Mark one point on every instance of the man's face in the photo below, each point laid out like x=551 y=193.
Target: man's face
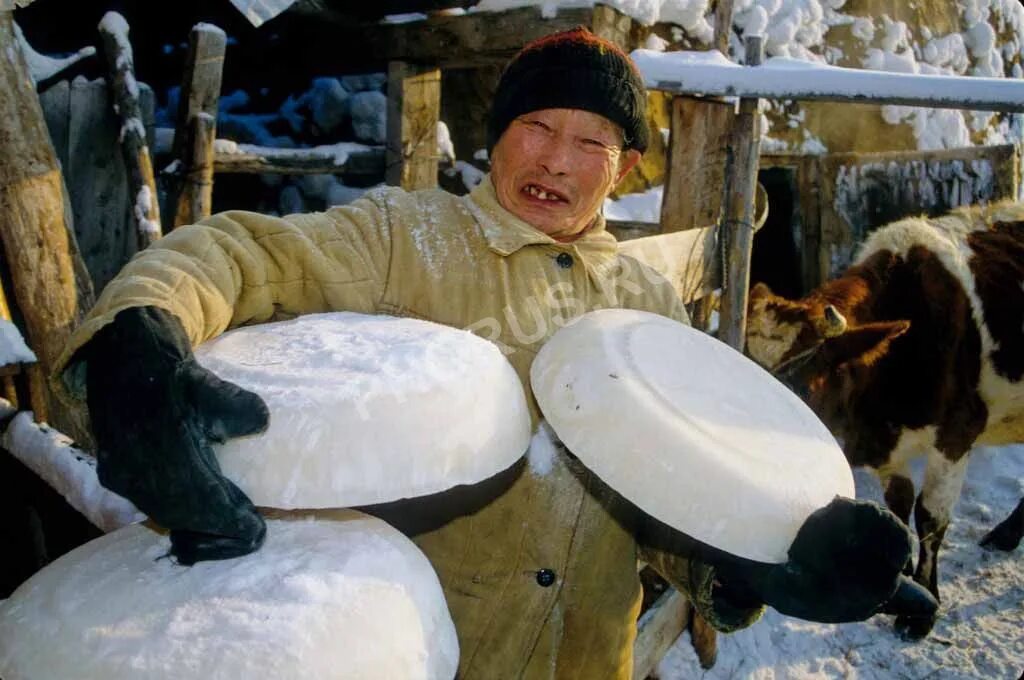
x=553 y=168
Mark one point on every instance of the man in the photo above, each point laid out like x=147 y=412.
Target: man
x=539 y=570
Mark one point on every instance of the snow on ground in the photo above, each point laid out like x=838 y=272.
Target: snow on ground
x=980 y=632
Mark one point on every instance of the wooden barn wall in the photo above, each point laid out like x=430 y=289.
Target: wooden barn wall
x=860 y=192
x=842 y=197
x=85 y=134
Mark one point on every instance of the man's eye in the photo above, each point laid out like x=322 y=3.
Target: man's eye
x=594 y=142
x=537 y=124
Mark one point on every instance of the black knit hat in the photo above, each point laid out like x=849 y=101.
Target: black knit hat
x=572 y=69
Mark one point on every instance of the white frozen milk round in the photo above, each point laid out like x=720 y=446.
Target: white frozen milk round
x=689 y=430
x=368 y=409
x=331 y=595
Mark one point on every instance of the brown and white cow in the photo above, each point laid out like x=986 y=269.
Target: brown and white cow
x=918 y=349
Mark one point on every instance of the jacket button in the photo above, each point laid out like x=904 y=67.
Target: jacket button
x=545 y=578
x=564 y=260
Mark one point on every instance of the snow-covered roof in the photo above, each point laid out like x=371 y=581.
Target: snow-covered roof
x=710 y=73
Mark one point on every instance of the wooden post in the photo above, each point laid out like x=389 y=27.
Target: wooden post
x=197 y=197
x=414 y=108
x=200 y=91
x=124 y=91
x=696 y=163
x=723 y=25
x=737 y=226
x=719 y=121
x=34 y=225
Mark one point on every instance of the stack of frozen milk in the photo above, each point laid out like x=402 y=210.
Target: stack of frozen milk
x=363 y=410
x=372 y=409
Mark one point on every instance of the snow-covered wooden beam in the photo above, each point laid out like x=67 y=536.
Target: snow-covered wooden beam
x=711 y=74
x=657 y=630
x=125 y=90
x=69 y=470
x=346 y=159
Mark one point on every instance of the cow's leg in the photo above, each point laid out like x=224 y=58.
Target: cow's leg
x=899 y=497
x=1007 y=535
x=943 y=480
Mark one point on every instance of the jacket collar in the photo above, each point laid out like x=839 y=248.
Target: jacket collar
x=505 y=233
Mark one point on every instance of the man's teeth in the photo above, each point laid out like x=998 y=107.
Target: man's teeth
x=540 y=193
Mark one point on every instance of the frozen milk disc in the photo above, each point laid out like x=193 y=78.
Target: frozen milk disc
x=368 y=409
x=689 y=430
x=333 y=595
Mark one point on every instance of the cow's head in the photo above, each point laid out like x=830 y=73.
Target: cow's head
x=809 y=341
x=780 y=331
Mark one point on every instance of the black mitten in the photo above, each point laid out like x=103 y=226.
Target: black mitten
x=155 y=412
x=845 y=564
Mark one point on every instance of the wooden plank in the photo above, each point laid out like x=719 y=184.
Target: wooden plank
x=200 y=92
x=56 y=103
x=739 y=211
x=33 y=225
x=97 y=182
x=145 y=213
x=808 y=207
x=312 y=161
x=657 y=630
x=414 y=107
x=332 y=43
x=688 y=259
x=695 y=175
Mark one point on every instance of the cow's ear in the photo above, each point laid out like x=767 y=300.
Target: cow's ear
x=760 y=290
x=865 y=344
x=761 y=298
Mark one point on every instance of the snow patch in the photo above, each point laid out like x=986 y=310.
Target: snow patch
x=543 y=450
x=977 y=636
x=143 y=203
x=13 y=349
